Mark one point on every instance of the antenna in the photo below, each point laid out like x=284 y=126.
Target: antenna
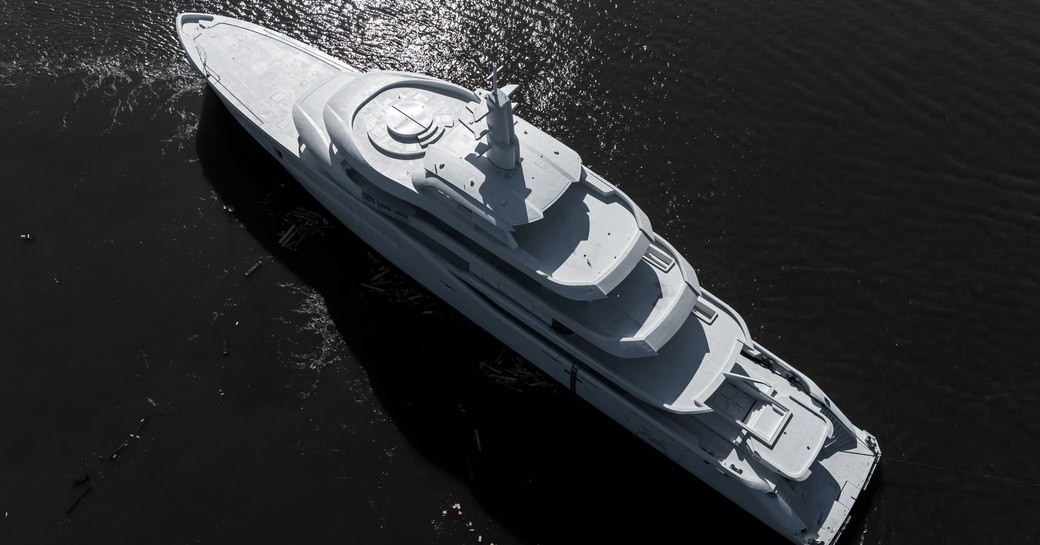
x=505 y=150
x=494 y=77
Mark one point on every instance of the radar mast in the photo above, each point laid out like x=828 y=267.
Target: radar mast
x=505 y=149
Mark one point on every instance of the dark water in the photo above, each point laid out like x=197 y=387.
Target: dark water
x=860 y=179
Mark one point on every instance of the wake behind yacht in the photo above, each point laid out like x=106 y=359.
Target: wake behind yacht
x=504 y=223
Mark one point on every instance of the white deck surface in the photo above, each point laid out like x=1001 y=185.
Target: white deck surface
x=687 y=369
x=582 y=236
x=242 y=58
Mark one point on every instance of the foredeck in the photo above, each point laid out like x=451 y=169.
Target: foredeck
x=260 y=71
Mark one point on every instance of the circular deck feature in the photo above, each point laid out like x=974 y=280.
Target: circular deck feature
x=403 y=126
x=407 y=119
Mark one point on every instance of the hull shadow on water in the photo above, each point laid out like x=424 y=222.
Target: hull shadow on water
x=549 y=468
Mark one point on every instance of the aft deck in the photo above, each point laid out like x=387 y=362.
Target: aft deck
x=689 y=368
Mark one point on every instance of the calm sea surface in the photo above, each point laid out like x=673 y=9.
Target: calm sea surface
x=861 y=180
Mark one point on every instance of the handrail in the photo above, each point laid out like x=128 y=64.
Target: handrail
x=751 y=345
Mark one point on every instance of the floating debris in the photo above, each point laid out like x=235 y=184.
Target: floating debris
x=287 y=235
x=225 y=348
x=303 y=224
x=253 y=268
x=75 y=503
x=379 y=275
x=470 y=525
x=28 y=236
x=116 y=453
x=398 y=288
x=135 y=435
x=511 y=371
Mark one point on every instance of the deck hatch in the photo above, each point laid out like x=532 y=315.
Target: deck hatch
x=658 y=258
x=704 y=312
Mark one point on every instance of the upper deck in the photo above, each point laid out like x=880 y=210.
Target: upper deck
x=433 y=145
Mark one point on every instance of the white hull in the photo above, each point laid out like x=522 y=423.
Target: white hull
x=674 y=435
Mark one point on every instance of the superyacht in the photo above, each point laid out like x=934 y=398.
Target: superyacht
x=504 y=223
